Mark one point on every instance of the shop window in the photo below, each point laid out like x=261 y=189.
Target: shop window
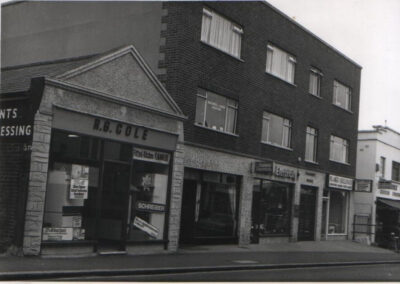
x=337 y=212
x=221 y=33
x=276 y=130
x=148 y=195
x=315 y=82
x=311 y=144
x=339 y=150
x=72 y=184
x=275 y=208
x=280 y=63
x=395 y=171
x=216 y=112
x=341 y=95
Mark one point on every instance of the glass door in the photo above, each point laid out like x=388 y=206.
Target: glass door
x=113 y=206
x=308 y=197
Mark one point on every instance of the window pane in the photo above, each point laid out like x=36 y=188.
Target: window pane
x=265 y=130
x=311 y=145
x=337 y=212
x=341 y=96
x=230 y=120
x=280 y=63
x=216 y=108
x=314 y=84
x=276 y=130
x=338 y=149
x=221 y=33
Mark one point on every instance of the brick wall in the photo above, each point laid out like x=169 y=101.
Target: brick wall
x=191 y=64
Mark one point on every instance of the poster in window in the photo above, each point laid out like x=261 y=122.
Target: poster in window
x=79 y=182
x=145 y=227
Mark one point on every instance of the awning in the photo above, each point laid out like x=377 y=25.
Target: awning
x=394 y=204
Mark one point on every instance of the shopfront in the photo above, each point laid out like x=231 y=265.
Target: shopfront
x=103 y=172
x=336 y=207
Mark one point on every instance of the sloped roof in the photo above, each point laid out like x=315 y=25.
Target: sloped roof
x=18 y=78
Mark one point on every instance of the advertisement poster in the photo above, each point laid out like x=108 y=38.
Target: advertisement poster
x=145 y=227
x=79 y=182
x=57 y=234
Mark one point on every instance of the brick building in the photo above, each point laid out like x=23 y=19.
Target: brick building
x=270 y=137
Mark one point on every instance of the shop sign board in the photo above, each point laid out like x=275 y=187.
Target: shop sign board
x=57 y=234
x=16 y=120
x=284 y=172
x=150 y=207
x=151 y=156
x=386 y=185
x=363 y=185
x=271 y=168
x=79 y=182
x=145 y=227
x=264 y=167
x=340 y=182
x=112 y=129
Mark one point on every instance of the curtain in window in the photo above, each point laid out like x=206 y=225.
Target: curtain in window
x=206 y=26
x=314 y=84
x=339 y=149
x=309 y=148
x=280 y=63
x=230 y=120
x=341 y=95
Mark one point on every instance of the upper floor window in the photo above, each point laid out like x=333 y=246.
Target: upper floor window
x=395 y=171
x=339 y=150
x=276 y=130
x=382 y=166
x=341 y=95
x=311 y=144
x=280 y=63
x=216 y=112
x=315 y=82
x=221 y=33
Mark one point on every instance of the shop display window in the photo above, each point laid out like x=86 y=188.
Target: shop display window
x=337 y=212
x=148 y=195
x=72 y=184
x=275 y=208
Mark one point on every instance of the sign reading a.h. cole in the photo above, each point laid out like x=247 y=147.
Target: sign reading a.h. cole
x=340 y=182
x=112 y=129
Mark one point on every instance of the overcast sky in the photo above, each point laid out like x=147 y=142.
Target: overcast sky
x=367 y=31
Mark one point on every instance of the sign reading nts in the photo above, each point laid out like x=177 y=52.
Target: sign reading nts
x=14 y=129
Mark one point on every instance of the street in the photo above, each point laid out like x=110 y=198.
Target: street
x=381 y=272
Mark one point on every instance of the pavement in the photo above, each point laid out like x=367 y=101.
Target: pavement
x=198 y=259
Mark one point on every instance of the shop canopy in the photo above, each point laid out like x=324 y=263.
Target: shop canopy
x=393 y=204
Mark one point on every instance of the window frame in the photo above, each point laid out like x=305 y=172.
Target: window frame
x=395 y=166
x=337 y=83
x=288 y=125
x=318 y=74
x=315 y=144
x=202 y=93
x=235 y=28
x=345 y=143
x=291 y=59
x=346 y=214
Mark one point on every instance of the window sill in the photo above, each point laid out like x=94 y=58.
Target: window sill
x=283 y=80
x=338 y=234
x=277 y=146
x=342 y=108
x=216 y=130
x=342 y=163
x=311 y=162
x=223 y=51
x=315 y=96
x=273 y=235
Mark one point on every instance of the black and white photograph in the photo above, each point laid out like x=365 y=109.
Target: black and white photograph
x=200 y=141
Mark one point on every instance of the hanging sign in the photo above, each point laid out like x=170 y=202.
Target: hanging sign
x=340 y=182
x=151 y=156
x=57 y=234
x=150 y=207
x=363 y=185
x=79 y=182
x=145 y=227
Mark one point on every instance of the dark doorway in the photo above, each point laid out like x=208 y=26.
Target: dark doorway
x=113 y=206
x=255 y=216
x=307 y=213
x=188 y=211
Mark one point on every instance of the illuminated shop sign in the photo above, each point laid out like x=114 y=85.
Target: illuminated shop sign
x=340 y=182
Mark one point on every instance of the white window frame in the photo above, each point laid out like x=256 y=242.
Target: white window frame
x=313 y=134
x=345 y=144
x=287 y=123
x=230 y=104
x=336 y=86
x=290 y=64
x=318 y=75
x=208 y=23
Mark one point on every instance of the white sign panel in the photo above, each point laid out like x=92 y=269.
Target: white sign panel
x=145 y=227
x=57 y=234
x=340 y=182
x=79 y=182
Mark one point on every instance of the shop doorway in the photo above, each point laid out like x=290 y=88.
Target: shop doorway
x=113 y=207
x=307 y=208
